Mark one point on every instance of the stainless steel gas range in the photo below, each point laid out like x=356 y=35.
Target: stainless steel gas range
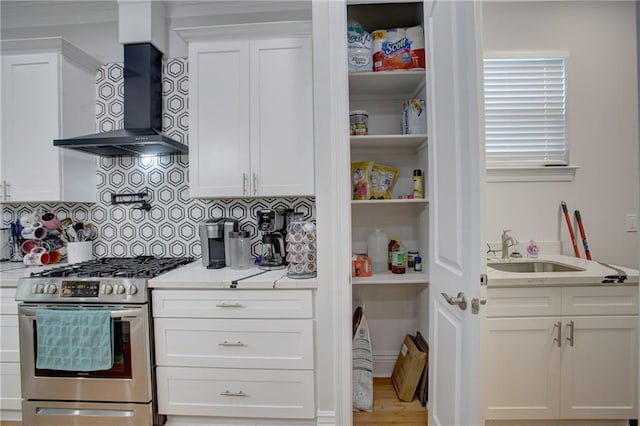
x=71 y=316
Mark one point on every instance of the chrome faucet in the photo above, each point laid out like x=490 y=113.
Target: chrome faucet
x=507 y=241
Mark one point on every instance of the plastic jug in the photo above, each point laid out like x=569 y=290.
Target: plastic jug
x=377 y=249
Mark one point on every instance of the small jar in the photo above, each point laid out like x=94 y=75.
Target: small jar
x=411 y=256
x=417 y=264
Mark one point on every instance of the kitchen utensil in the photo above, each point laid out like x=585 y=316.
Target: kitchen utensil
x=571 y=234
x=79 y=251
x=587 y=252
x=5 y=243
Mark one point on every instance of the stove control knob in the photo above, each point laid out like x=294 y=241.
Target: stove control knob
x=51 y=289
x=37 y=289
x=133 y=289
x=107 y=289
x=119 y=289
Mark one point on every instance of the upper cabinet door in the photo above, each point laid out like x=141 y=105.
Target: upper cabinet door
x=48 y=92
x=219 y=122
x=30 y=113
x=456 y=176
x=250 y=110
x=282 y=117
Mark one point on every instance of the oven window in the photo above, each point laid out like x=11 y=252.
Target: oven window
x=121 y=356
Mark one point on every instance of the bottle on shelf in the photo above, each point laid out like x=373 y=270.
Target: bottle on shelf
x=377 y=249
x=417 y=264
x=418 y=184
x=392 y=242
x=398 y=258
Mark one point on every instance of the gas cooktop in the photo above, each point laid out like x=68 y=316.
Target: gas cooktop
x=117 y=267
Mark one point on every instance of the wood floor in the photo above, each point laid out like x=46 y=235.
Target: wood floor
x=389 y=410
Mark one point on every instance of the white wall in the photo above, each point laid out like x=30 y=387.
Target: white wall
x=603 y=124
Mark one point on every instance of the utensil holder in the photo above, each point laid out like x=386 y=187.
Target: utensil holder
x=79 y=251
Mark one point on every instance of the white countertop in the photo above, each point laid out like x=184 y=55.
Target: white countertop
x=592 y=274
x=10 y=272
x=196 y=276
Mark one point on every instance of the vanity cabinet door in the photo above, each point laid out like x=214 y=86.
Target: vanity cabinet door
x=600 y=368
x=523 y=368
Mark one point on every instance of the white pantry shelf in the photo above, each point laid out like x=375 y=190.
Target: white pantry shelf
x=410 y=277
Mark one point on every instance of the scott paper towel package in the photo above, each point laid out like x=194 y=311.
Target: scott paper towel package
x=398 y=49
x=358 y=48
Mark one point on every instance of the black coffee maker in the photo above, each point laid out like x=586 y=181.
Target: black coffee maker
x=214 y=241
x=273 y=224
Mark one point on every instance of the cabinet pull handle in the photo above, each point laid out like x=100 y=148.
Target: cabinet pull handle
x=245 y=178
x=5 y=190
x=558 y=337
x=229 y=393
x=570 y=338
x=255 y=184
x=227 y=343
x=229 y=305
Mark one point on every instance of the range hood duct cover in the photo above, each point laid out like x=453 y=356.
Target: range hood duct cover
x=142 y=133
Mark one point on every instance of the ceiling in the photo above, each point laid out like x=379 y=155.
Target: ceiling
x=27 y=13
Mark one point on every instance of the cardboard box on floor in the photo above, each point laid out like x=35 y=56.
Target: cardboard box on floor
x=408 y=368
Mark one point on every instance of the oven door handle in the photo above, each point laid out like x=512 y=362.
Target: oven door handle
x=124 y=313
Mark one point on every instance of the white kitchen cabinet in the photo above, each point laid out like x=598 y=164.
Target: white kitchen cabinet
x=235 y=353
x=562 y=353
x=250 y=112
x=48 y=92
x=10 y=396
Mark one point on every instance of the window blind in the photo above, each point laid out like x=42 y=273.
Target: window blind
x=525 y=111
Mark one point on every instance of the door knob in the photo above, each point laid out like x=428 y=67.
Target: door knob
x=459 y=300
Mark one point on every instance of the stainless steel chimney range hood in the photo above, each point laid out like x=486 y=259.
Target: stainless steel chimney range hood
x=142 y=133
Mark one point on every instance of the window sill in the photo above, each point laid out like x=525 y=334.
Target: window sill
x=531 y=174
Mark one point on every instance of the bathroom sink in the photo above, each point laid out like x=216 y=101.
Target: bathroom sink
x=531 y=266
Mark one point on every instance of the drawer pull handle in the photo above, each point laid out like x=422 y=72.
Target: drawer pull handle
x=229 y=305
x=558 y=337
x=227 y=343
x=229 y=393
x=570 y=338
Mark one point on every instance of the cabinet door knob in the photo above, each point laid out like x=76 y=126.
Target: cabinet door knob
x=255 y=184
x=227 y=343
x=570 y=338
x=229 y=305
x=558 y=338
x=229 y=393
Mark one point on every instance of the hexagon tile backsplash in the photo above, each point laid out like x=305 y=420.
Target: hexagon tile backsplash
x=170 y=228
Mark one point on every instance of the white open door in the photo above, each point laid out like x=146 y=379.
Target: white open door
x=456 y=192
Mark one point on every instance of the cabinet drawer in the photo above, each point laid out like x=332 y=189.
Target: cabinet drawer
x=232 y=304
x=235 y=393
x=603 y=300
x=10 y=396
x=234 y=343
x=8 y=305
x=9 y=340
x=523 y=302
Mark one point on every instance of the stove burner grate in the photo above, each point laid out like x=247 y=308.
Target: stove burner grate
x=118 y=267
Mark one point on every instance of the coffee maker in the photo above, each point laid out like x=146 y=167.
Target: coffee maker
x=214 y=241
x=272 y=224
